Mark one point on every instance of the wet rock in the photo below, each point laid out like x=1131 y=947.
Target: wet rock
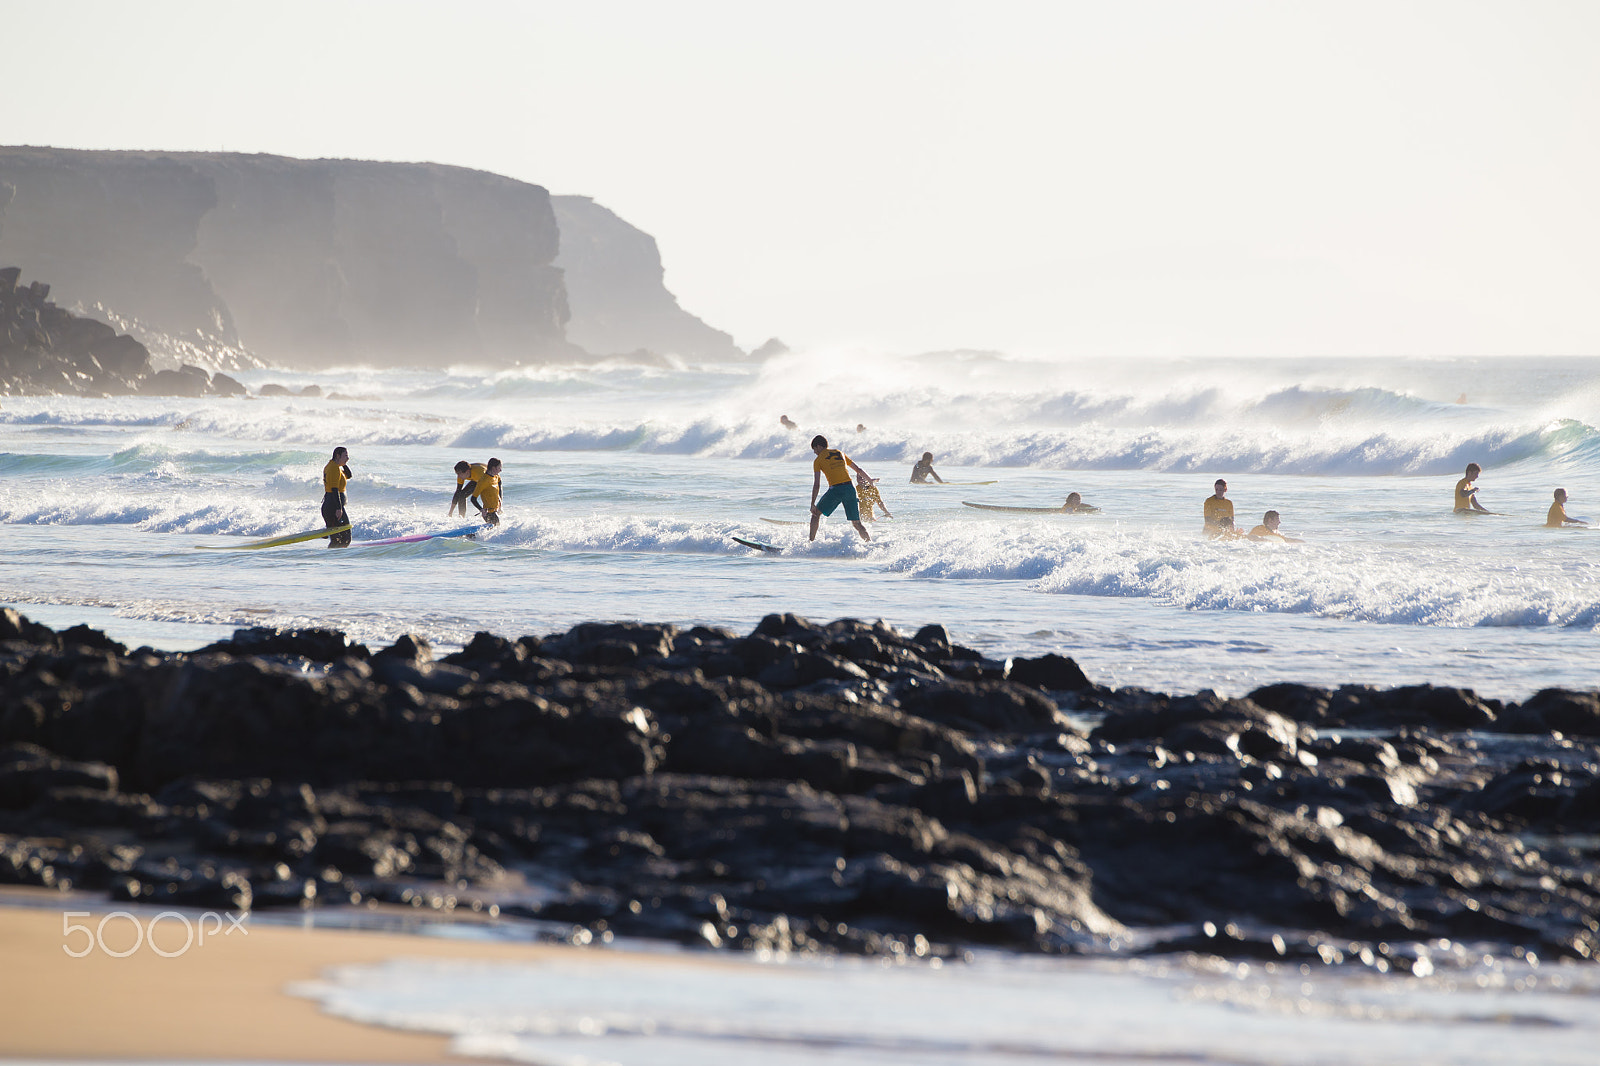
x=805 y=787
x=1053 y=673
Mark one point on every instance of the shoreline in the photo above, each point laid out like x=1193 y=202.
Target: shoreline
x=228 y=1001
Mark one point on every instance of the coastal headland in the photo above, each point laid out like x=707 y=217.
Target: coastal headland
x=801 y=788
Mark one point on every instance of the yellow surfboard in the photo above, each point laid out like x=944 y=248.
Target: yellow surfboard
x=277 y=542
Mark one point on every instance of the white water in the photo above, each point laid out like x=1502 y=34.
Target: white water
x=644 y=1009
x=623 y=486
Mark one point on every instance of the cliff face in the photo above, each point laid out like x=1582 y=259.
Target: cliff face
x=615 y=287
x=312 y=262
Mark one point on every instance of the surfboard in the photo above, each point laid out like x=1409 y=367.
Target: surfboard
x=942 y=484
x=277 y=542
x=758 y=546
x=417 y=538
x=1028 y=510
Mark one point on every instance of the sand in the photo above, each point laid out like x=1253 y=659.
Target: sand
x=223 y=1001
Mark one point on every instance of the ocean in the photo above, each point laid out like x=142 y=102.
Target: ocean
x=624 y=485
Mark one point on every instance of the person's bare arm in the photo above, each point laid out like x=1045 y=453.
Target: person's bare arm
x=816 y=484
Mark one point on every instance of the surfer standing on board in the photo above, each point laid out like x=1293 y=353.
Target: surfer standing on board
x=1467 y=493
x=335 y=476
x=836 y=465
x=923 y=470
x=1219 y=512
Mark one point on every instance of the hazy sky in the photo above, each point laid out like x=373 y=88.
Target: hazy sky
x=1113 y=176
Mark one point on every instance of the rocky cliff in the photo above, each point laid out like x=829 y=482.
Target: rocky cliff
x=615 y=285
x=311 y=262
x=46 y=350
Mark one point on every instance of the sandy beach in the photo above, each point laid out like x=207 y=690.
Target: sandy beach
x=223 y=1001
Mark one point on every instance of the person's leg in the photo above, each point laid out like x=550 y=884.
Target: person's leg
x=492 y=517
x=816 y=520
x=862 y=530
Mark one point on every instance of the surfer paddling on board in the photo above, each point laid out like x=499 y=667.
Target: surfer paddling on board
x=1268 y=529
x=1467 y=493
x=1558 y=513
x=335 y=476
x=1219 y=513
x=923 y=470
x=836 y=465
x=482 y=485
x=1075 y=505
x=867 y=493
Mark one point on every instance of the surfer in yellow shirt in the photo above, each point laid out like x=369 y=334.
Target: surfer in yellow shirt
x=1558 y=513
x=481 y=483
x=1467 y=492
x=335 y=476
x=836 y=466
x=867 y=493
x=1268 y=529
x=1219 y=513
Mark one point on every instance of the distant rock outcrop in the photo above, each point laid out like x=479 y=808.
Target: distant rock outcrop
x=616 y=292
x=318 y=262
x=45 y=350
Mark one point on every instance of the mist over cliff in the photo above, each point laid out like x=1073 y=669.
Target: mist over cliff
x=317 y=262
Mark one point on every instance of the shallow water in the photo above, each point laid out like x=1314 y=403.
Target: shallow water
x=640 y=1007
x=624 y=485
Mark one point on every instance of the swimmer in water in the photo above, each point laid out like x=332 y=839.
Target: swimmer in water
x=923 y=470
x=1558 y=513
x=1268 y=529
x=1219 y=513
x=1467 y=492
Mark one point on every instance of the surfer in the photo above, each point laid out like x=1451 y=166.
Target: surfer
x=1075 y=505
x=867 y=493
x=1219 y=512
x=923 y=470
x=836 y=465
x=1467 y=492
x=335 y=476
x=1558 y=513
x=1268 y=529
x=459 y=499
x=482 y=486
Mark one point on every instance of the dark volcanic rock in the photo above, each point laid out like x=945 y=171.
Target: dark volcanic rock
x=805 y=787
x=45 y=350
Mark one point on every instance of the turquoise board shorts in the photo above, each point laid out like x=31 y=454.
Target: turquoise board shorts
x=845 y=493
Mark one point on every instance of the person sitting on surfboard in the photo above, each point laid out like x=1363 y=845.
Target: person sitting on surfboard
x=1268 y=529
x=335 y=476
x=1219 y=512
x=1075 y=505
x=1467 y=493
x=459 y=499
x=836 y=465
x=482 y=485
x=867 y=493
x=1558 y=513
x=923 y=470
